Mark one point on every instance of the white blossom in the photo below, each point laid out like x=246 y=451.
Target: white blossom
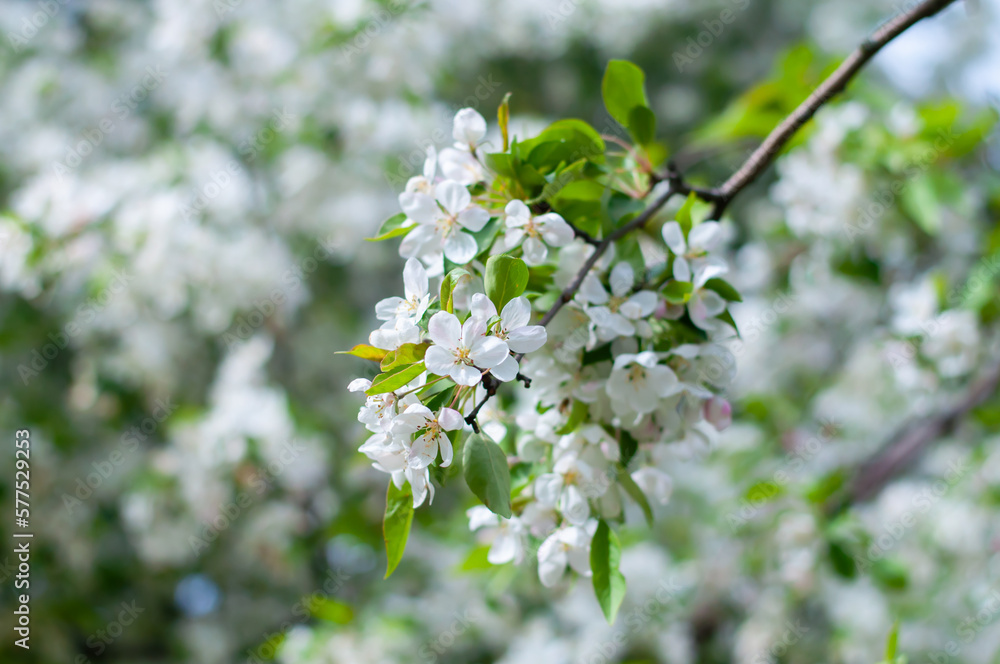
x=537 y=232
x=462 y=352
x=442 y=222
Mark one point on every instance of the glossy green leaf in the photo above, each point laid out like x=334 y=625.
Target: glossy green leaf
x=609 y=584
x=506 y=278
x=677 y=292
x=404 y=355
x=724 y=289
x=642 y=125
x=392 y=227
x=396 y=524
x=448 y=285
x=503 y=118
x=577 y=413
x=365 y=352
x=623 y=88
x=395 y=379
x=484 y=466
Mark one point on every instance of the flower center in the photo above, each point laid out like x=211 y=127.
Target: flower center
x=531 y=228
x=462 y=355
x=614 y=302
x=445 y=223
x=636 y=373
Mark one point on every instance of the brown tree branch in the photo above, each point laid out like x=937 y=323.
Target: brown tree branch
x=910 y=442
x=759 y=159
x=834 y=83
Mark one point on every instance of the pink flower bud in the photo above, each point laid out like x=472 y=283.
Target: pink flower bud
x=718 y=413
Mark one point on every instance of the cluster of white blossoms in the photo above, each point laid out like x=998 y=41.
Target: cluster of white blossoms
x=625 y=368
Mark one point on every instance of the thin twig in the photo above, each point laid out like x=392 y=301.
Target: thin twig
x=834 y=83
x=755 y=164
x=909 y=443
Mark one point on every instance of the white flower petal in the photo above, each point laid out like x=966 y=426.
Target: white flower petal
x=535 y=251
x=555 y=231
x=705 y=236
x=488 y=352
x=622 y=279
x=450 y=419
x=468 y=127
x=444 y=329
x=460 y=248
x=414 y=279
x=507 y=370
x=454 y=197
x=527 y=339
x=674 y=237
x=473 y=218
x=463 y=374
x=439 y=361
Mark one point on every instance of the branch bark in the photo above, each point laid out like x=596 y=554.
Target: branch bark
x=835 y=83
x=760 y=158
x=909 y=443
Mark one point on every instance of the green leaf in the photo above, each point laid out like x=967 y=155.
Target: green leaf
x=405 y=354
x=724 y=288
x=486 y=235
x=683 y=215
x=331 y=610
x=600 y=354
x=448 y=286
x=503 y=118
x=392 y=227
x=396 y=524
x=486 y=473
x=395 y=379
x=628 y=446
x=891 y=573
x=677 y=292
x=577 y=414
x=892 y=642
x=642 y=125
x=365 y=352
x=609 y=584
x=634 y=492
x=623 y=88
x=727 y=318
x=920 y=201
x=506 y=278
